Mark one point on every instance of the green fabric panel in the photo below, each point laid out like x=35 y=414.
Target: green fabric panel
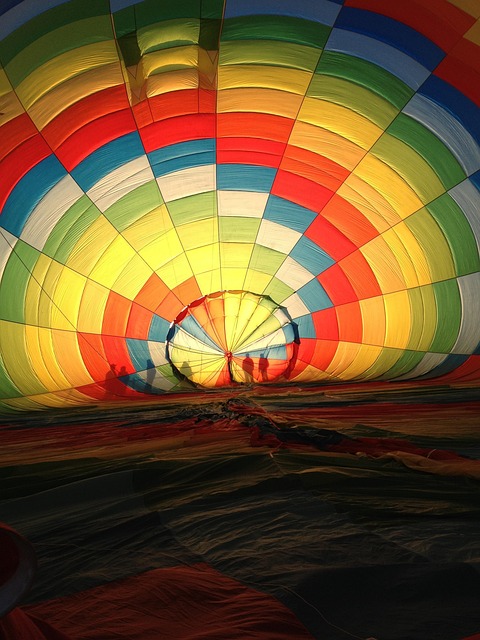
x=124 y=22
x=134 y=205
x=152 y=11
x=53 y=44
x=14 y=282
x=270 y=53
x=365 y=74
x=278 y=290
x=232 y=229
x=433 y=242
x=7 y=388
x=168 y=34
x=386 y=360
x=449 y=306
x=266 y=260
x=458 y=232
x=210 y=34
x=70 y=228
x=48 y=21
x=192 y=208
x=407 y=361
x=353 y=96
x=429 y=147
x=212 y=9
x=424 y=314
x=284 y=28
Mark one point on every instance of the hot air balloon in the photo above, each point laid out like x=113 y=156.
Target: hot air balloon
x=239 y=318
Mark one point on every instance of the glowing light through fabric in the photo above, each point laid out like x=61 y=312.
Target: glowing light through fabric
x=322 y=155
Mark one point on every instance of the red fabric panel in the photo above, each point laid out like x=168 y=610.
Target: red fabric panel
x=187 y=291
x=94 y=135
x=181 y=129
x=19 y=162
x=9 y=556
x=15 y=132
x=249 y=151
x=337 y=285
x=169 y=307
x=324 y=352
x=174 y=103
x=360 y=275
x=116 y=315
x=152 y=292
x=350 y=324
x=84 y=111
x=93 y=354
x=438 y=20
x=117 y=353
x=326 y=324
x=138 y=322
x=462 y=69
x=314 y=167
x=468 y=371
x=18 y=625
x=179 y=603
x=304 y=192
x=347 y=218
x=255 y=125
x=326 y=235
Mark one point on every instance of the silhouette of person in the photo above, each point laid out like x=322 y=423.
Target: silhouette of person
x=262 y=367
x=151 y=373
x=248 y=368
x=110 y=381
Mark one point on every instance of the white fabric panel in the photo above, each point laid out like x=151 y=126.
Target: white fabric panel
x=275 y=339
x=427 y=364
x=466 y=196
x=158 y=381
x=276 y=236
x=293 y=274
x=244 y=204
x=7 y=244
x=295 y=306
x=118 y=183
x=49 y=211
x=448 y=129
x=281 y=317
x=157 y=352
x=187 y=341
x=187 y=182
x=469 y=334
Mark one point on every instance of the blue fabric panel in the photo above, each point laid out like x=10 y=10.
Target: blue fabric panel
x=117 y=5
x=411 y=72
x=245 y=177
x=322 y=11
x=475 y=179
x=314 y=296
x=306 y=328
x=158 y=329
x=191 y=326
x=106 y=159
x=139 y=353
x=182 y=156
x=288 y=214
x=450 y=364
x=311 y=256
x=290 y=332
x=20 y=13
x=271 y=353
x=392 y=32
x=136 y=382
x=454 y=101
x=28 y=192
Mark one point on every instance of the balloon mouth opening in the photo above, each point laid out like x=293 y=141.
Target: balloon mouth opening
x=230 y=338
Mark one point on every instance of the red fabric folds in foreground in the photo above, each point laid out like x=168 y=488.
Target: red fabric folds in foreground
x=172 y=604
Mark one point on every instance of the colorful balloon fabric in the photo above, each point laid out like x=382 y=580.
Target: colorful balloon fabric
x=314 y=164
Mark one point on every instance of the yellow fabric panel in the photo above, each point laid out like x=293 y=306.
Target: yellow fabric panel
x=370 y=202
x=198 y=233
x=132 y=278
x=409 y=254
x=162 y=250
x=424 y=309
x=343 y=121
x=25 y=404
x=389 y=184
x=233 y=278
x=148 y=228
x=469 y=6
x=172 y=81
x=272 y=53
x=365 y=358
x=411 y=166
x=65 y=345
x=256 y=281
x=235 y=255
x=255 y=75
x=473 y=34
x=384 y=265
x=311 y=374
x=34 y=291
x=176 y=271
x=77 y=88
x=11 y=107
x=112 y=261
x=399 y=319
x=345 y=355
x=326 y=143
x=209 y=281
x=66 y=299
x=272 y=101
x=45 y=300
x=42 y=358
x=374 y=328
x=386 y=360
x=63 y=67
x=93 y=243
x=168 y=33
x=92 y=308
x=173 y=59
x=16 y=361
